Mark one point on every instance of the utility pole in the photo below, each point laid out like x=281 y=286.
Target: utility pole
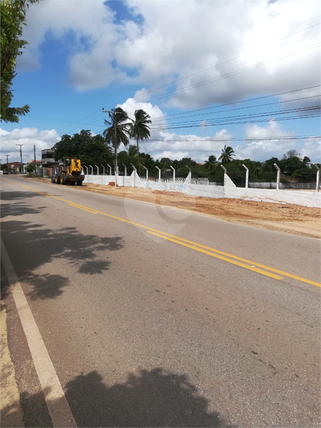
x=7 y=163
x=20 y=157
x=34 y=155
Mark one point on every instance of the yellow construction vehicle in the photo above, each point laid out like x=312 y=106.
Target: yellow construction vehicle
x=68 y=172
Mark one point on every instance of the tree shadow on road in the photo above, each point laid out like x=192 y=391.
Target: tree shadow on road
x=18 y=207
x=38 y=245
x=152 y=398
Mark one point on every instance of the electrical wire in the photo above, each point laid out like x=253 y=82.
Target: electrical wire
x=234 y=73
x=157 y=88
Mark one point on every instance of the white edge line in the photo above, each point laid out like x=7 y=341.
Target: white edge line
x=56 y=401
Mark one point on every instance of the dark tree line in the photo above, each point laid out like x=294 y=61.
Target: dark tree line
x=94 y=150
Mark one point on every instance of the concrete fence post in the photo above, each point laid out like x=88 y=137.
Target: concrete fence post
x=277 y=176
x=146 y=172
x=246 y=176
x=159 y=174
x=317 y=178
x=173 y=173
x=135 y=172
x=225 y=173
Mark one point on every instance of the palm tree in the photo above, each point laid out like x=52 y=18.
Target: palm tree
x=118 y=130
x=226 y=155
x=211 y=163
x=140 y=130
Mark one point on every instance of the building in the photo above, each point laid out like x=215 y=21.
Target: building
x=48 y=160
x=13 y=167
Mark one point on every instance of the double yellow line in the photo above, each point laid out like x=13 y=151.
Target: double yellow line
x=230 y=258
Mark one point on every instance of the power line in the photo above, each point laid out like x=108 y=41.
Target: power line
x=229 y=138
x=250 y=115
x=254 y=99
x=244 y=119
x=232 y=59
x=234 y=73
x=229 y=60
x=207 y=109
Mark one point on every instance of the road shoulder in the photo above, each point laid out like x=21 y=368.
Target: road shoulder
x=11 y=411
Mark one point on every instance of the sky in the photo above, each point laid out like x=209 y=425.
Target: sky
x=210 y=73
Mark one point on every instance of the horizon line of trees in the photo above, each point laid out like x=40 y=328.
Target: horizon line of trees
x=99 y=150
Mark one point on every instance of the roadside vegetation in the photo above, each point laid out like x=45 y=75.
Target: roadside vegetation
x=100 y=150
x=13 y=19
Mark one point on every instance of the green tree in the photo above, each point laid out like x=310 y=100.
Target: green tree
x=30 y=168
x=90 y=149
x=13 y=18
x=165 y=163
x=290 y=165
x=95 y=151
x=139 y=129
x=184 y=165
x=211 y=163
x=226 y=155
x=64 y=148
x=210 y=166
x=305 y=175
x=118 y=130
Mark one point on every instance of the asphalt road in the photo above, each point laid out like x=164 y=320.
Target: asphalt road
x=153 y=316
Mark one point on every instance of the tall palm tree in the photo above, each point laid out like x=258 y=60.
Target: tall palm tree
x=226 y=155
x=139 y=129
x=118 y=130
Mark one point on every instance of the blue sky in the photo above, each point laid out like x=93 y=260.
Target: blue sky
x=209 y=73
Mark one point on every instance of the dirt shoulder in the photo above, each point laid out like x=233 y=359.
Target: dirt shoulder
x=280 y=217
x=274 y=216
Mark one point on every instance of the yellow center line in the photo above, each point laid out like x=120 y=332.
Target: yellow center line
x=217 y=256
x=190 y=244
x=89 y=210
x=298 y=278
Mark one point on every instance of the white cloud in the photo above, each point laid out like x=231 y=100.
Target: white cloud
x=178 y=39
x=165 y=144
x=177 y=146
x=312 y=149
x=157 y=116
x=266 y=142
x=28 y=137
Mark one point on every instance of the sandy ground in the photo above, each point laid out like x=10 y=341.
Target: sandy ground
x=11 y=412
x=274 y=216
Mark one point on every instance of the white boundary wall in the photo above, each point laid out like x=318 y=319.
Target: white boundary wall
x=308 y=198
